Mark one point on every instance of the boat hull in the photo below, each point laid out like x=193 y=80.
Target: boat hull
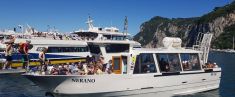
x=127 y=85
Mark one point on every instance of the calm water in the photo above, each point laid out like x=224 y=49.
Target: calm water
x=14 y=85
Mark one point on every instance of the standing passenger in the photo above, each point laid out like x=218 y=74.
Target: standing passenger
x=8 y=54
x=24 y=48
x=42 y=58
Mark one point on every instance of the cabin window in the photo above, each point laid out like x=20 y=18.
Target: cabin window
x=95 y=49
x=145 y=64
x=116 y=48
x=190 y=62
x=40 y=48
x=169 y=62
x=66 y=49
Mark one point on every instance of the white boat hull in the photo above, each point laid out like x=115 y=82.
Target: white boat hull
x=128 y=85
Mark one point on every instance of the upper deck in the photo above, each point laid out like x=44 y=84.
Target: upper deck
x=165 y=50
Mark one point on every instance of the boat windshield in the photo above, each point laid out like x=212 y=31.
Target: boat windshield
x=169 y=62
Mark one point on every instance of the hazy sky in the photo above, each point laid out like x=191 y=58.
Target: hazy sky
x=69 y=15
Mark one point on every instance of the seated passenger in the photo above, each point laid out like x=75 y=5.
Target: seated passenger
x=90 y=69
x=209 y=65
x=164 y=66
x=99 y=64
x=98 y=70
x=69 y=71
x=174 y=65
x=85 y=68
x=55 y=70
x=185 y=65
x=195 y=64
x=63 y=70
x=81 y=70
x=108 y=66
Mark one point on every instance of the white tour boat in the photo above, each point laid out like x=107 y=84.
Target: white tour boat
x=168 y=71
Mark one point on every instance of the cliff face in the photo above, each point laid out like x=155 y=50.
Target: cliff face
x=220 y=22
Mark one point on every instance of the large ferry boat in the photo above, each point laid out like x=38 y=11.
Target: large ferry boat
x=165 y=72
x=72 y=47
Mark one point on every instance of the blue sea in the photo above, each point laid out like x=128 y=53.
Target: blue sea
x=14 y=85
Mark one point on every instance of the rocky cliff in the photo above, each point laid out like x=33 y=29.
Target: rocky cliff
x=220 y=22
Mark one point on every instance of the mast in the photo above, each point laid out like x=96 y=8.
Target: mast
x=89 y=22
x=125 y=26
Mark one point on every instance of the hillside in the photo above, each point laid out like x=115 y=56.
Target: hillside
x=220 y=22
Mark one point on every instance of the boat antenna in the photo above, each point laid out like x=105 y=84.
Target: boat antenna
x=89 y=22
x=125 y=25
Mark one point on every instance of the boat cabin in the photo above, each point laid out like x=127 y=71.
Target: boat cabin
x=143 y=61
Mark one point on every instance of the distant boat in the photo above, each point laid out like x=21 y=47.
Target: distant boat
x=65 y=48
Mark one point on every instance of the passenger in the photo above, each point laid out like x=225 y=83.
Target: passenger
x=195 y=64
x=98 y=70
x=108 y=66
x=91 y=69
x=185 y=65
x=102 y=63
x=85 y=68
x=61 y=37
x=69 y=70
x=164 y=66
x=23 y=49
x=101 y=59
x=99 y=64
x=209 y=65
x=8 y=54
x=63 y=70
x=144 y=69
x=93 y=58
x=215 y=65
x=55 y=70
x=81 y=70
x=73 y=67
x=54 y=36
x=174 y=65
x=87 y=59
x=42 y=57
x=49 y=68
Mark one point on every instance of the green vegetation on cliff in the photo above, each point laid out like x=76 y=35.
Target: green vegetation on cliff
x=225 y=40
x=160 y=23
x=188 y=28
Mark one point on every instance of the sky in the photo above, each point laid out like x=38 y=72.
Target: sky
x=70 y=15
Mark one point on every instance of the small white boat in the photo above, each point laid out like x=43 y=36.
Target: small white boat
x=165 y=72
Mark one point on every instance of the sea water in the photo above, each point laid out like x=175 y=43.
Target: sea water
x=15 y=85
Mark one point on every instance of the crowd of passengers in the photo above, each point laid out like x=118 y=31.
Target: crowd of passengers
x=89 y=67
x=57 y=36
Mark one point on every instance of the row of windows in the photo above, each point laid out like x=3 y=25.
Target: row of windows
x=95 y=49
x=110 y=48
x=64 y=49
x=116 y=48
x=167 y=63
